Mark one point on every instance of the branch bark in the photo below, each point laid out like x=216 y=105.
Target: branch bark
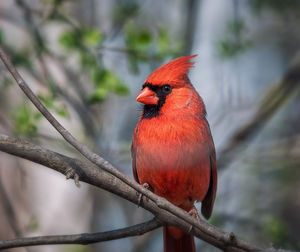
x=84 y=238
x=111 y=179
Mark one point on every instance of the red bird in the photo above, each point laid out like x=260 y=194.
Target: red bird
x=173 y=153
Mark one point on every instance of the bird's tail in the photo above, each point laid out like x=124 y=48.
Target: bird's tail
x=175 y=240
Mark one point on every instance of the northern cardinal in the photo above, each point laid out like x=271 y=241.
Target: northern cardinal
x=173 y=153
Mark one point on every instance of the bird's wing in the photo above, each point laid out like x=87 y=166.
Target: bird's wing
x=133 y=156
x=209 y=199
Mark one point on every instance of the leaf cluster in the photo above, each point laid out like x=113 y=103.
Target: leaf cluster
x=144 y=44
x=82 y=41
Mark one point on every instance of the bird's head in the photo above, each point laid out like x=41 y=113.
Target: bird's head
x=168 y=88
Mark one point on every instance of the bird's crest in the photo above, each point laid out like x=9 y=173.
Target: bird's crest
x=173 y=72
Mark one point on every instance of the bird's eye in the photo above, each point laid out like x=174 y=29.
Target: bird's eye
x=166 y=89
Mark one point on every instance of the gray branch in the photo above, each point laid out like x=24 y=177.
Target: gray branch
x=84 y=238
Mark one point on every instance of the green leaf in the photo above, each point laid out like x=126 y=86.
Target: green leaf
x=88 y=61
x=110 y=80
x=21 y=58
x=50 y=102
x=97 y=76
x=37 y=116
x=79 y=38
x=92 y=37
x=25 y=121
x=121 y=89
x=167 y=47
x=163 y=42
x=69 y=39
x=137 y=39
x=104 y=78
x=144 y=38
x=62 y=111
x=98 y=95
x=144 y=44
x=47 y=100
x=106 y=81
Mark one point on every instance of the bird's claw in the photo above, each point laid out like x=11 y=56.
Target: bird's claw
x=70 y=173
x=140 y=195
x=193 y=212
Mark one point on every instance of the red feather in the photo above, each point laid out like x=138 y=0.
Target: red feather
x=173 y=72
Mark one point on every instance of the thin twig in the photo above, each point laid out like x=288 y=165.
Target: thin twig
x=84 y=238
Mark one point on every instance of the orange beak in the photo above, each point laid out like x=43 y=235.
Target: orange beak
x=147 y=96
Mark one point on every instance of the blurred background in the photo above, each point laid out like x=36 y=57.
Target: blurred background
x=87 y=61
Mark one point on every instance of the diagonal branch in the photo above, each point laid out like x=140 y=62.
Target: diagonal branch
x=84 y=238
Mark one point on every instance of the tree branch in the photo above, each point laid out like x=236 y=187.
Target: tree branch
x=114 y=181
x=84 y=238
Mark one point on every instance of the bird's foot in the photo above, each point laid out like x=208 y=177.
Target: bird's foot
x=140 y=195
x=71 y=173
x=193 y=212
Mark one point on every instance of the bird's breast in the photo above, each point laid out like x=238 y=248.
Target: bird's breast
x=173 y=157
